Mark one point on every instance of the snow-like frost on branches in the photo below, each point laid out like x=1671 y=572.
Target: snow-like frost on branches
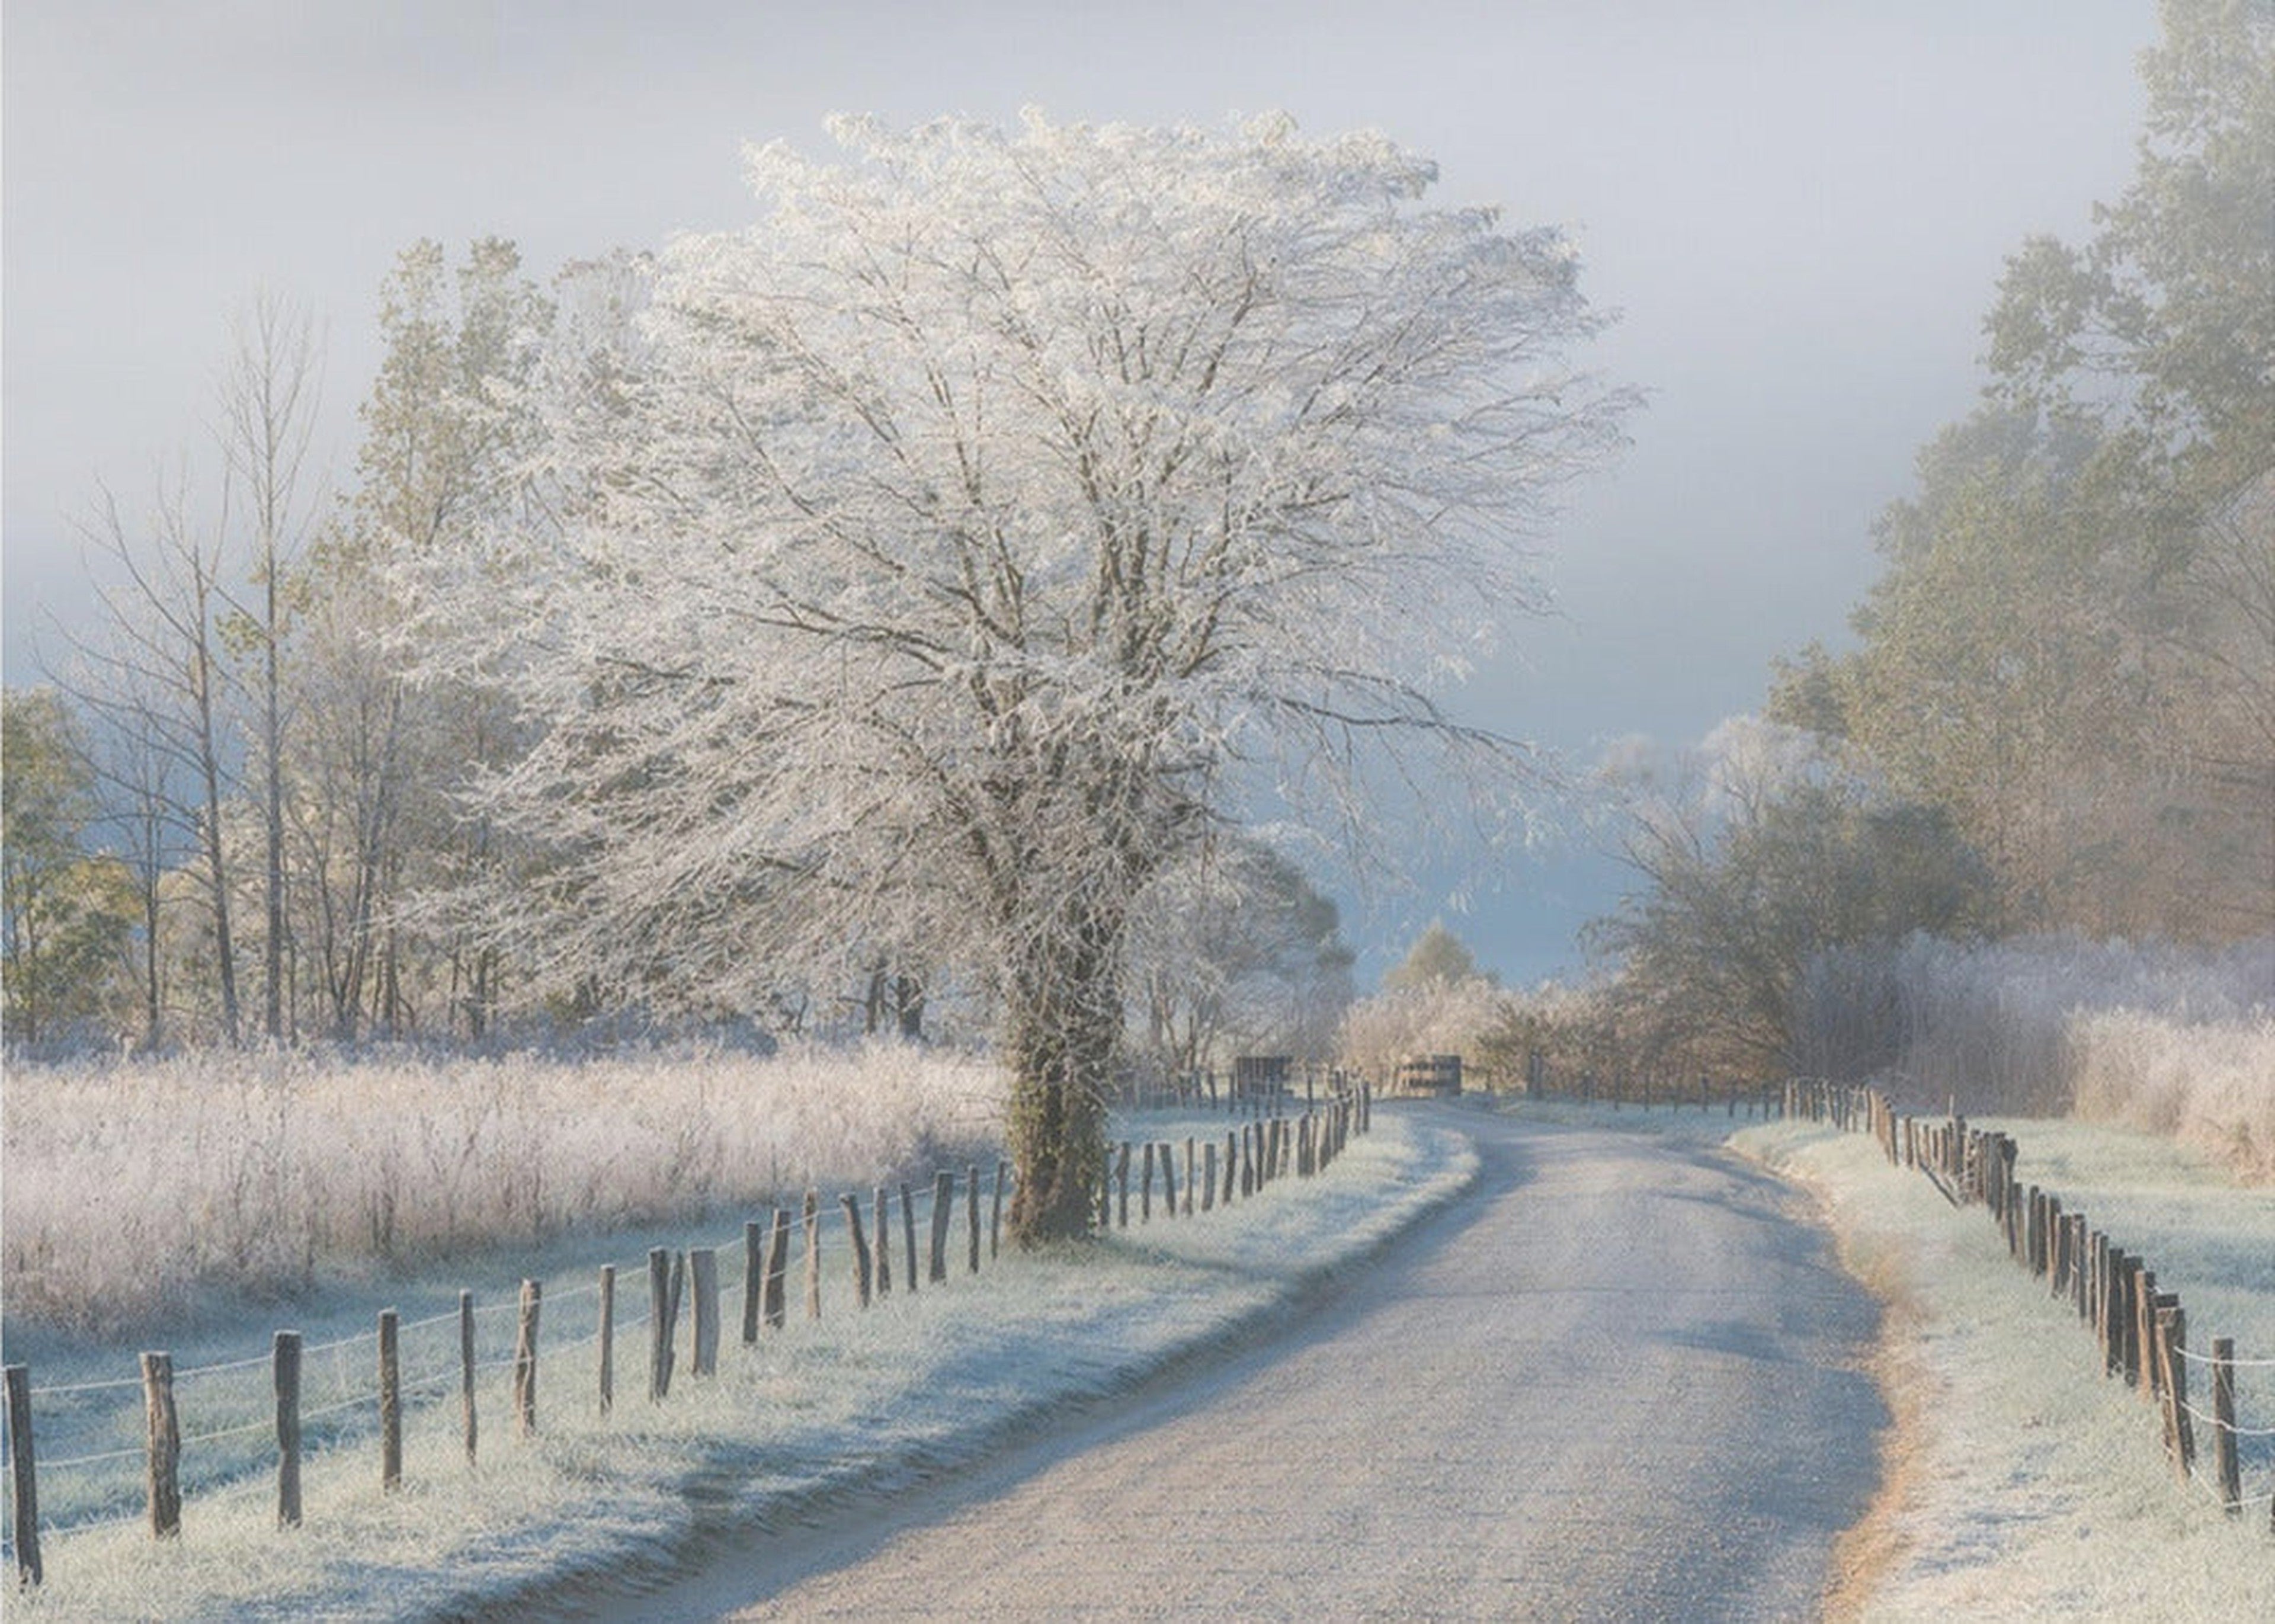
x=930 y=552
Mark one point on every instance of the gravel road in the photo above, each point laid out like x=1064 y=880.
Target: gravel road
x=1620 y=1380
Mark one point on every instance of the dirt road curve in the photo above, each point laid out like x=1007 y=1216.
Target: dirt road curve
x=1619 y=1380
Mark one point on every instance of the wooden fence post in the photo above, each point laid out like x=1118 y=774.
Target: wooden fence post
x=754 y=1278
x=661 y=1312
x=909 y=1231
x=703 y=1276
x=971 y=1214
x=467 y=1373
x=285 y=1361
x=881 y=1270
x=812 y=1216
x=1121 y=1182
x=607 y=1339
x=1208 y=1176
x=391 y=1400
x=1191 y=1153
x=1145 y=1188
x=852 y=1206
x=525 y=1360
x=2226 y=1471
x=777 y=1290
x=943 y=1212
x=2172 y=1339
x=2142 y=1335
x=25 y=1477
x=995 y=1217
x=164 y=1497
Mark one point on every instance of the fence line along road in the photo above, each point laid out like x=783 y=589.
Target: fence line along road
x=179 y=1460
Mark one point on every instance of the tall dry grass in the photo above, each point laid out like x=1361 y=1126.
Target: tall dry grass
x=130 y=1188
x=2170 y=1040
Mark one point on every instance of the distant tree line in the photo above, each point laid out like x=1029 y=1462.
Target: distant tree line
x=2057 y=713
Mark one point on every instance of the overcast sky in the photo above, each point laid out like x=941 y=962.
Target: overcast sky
x=1799 y=206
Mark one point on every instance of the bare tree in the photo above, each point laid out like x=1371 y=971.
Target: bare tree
x=156 y=667
x=268 y=402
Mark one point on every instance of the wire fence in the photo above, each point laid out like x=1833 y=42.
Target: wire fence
x=113 y=1449
x=2141 y=1334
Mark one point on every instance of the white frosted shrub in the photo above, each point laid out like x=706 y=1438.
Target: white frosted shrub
x=2208 y=1086
x=1434 y=1017
x=131 y=1188
x=2174 y=1040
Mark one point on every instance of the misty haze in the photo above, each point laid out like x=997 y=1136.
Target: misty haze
x=1336 y=813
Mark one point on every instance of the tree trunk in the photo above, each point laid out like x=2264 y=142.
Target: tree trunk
x=1064 y=1024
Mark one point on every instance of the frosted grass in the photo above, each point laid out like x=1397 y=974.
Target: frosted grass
x=857 y=1399
x=2025 y=1485
x=2173 y=1040
x=145 y=1193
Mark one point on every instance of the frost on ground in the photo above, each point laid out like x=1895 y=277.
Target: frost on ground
x=918 y=1381
x=2025 y=1485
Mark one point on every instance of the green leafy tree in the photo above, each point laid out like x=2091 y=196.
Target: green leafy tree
x=67 y=911
x=2163 y=320
x=2071 y=647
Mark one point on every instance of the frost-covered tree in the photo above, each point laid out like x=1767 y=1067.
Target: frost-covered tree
x=1234 y=951
x=957 y=543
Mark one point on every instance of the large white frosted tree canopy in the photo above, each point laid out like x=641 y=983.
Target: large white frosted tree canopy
x=933 y=556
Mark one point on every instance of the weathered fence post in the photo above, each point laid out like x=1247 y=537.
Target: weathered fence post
x=754 y=1278
x=2226 y=1471
x=391 y=1400
x=25 y=1477
x=852 y=1206
x=165 y=1454
x=2171 y=1344
x=607 y=1339
x=995 y=1217
x=943 y=1212
x=812 y=1216
x=909 y=1231
x=1145 y=1188
x=1208 y=1176
x=525 y=1360
x=971 y=1214
x=881 y=1270
x=777 y=1289
x=285 y=1362
x=2140 y=1335
x=467 y=1373
x=661 y=1313
x=1121 y=1182
x=1192 y=1155
x=703 y=1276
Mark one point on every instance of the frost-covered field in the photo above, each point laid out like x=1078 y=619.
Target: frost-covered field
x=2165 y=1039
x=859 y=1397
x=2025 y=1485
x=139 y=1194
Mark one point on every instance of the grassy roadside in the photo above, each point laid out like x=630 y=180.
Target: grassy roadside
x=918 y=1382
x=2021 y=1484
